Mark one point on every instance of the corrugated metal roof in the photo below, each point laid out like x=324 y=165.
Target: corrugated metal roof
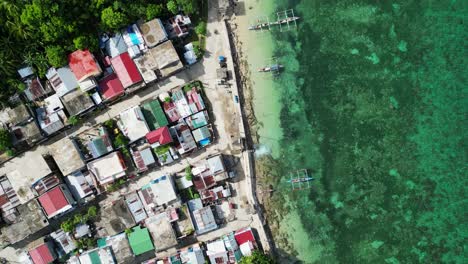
x=126 y=70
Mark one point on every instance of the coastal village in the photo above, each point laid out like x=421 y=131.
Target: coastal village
x=133 y=154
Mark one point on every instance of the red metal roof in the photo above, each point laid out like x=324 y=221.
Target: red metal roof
x=41 y=255
x=53 y=200
x=111 y=87
x=244 y=235
x=161 y=135
x=83 y=65
x=126 y=70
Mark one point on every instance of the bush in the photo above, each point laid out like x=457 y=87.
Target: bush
x=92 y=212
x=257 y=257
x=121 y=141
x=154 y=11
x=56 y=56
x=172 y=7
x=197 y=49
x=73 y=120
x=188 y=173
x=200 y=29
x=6 y=140
x=86 y=42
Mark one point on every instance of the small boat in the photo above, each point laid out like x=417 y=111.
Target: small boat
x=304 y=179
x=274 y=67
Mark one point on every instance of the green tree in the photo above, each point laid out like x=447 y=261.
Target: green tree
x=188 y=6
x=67 y=225
x=56 y=56
x=200 y=29
x=121 y=140
x=172 y=7
x=86 y=42
x=154 y=11
x=112 y=19
x=197 y=49
x=73 y=120
x=188 y=173
x=257 y=257
x=6 y=140
x=92 y=212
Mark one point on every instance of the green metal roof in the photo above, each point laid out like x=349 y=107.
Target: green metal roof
x=140 y=241
x=102 y=242
x=94 y=256
x=154 y=115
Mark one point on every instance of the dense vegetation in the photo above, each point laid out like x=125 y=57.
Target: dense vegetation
x=40 y=33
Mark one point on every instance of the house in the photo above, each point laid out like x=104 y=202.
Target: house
x=179 y=26
x=217 y=168
x=233 y=251
x=83 y=65
x=143 y=157
x=202 y=136
x=21 y=124
x=34 y=89
x=126 y=70
x=42 y=252
x=23 y=171
x=136 y=207
x=108 y=168
x=120 y=247
x=25 y=72
x=157 y=193
x=8 y=200
x=88 y=84
x=185 y=142
x=51 y=116
x=197 y=120
x=140 y=241
x=116 y=45
x=77 y=102
x=65 y=244
x=195 y=100
x=29 y=220
x=202 y=217
x=162 y=232
x=167 y=59
x=97 y=255
x=215 y=193
x=171 y=111
x=246 y=240
x=132 y=123
x=66 y=155
x=95 y=141
x=203 y=178
x=80 y=184
x=180 y=101
x=110 y=87
x=154 y=114
x=62 y=80
x=147 y=66
x=118 y=215
x=82 y=230
x=153 y=32
x=217 y=252
x=189 y=54
x=159 y=137
x=45 y=184
x=56 y=201
x=192 y=255
x=133 y=38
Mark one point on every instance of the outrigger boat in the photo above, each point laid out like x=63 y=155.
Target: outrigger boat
x=272 y=68
x=278 y=22
x=300 y=180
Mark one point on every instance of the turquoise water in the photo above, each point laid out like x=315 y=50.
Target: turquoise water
x=373 y=103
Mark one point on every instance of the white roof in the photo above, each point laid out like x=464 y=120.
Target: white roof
x=133 y=124
x=116 y=46
x=162 y=189
x=136 y=207
x=25 y=72
x=201 y=133
x=105 y=255
x=24 y=170
x=66 y=155
x=78 y=185
x=67 y=81
x=107 y=168
x=64 y=240
x=88 y=84
x=53 y=103
x=190 y=57
x=215 y=247
x=216 y=164
x=183 y=183
x=195 y=256
x=246 y=248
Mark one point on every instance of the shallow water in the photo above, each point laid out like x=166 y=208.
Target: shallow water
x=373 y=102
